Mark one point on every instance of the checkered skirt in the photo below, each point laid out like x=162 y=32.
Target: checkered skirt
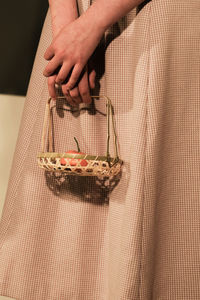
x=137 y=237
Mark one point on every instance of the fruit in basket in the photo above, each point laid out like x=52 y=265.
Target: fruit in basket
x=74 y=161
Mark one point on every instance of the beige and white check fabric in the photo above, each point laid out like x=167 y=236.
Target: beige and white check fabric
x=140 y=240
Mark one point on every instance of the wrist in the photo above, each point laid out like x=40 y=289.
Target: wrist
x=103 y=14
x=92 y=23
x=62 y=13
x=98 y=21
x=58 y=23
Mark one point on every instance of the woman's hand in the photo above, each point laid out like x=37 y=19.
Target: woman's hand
x=75 y=42
x=81 y=92
x=71 y=49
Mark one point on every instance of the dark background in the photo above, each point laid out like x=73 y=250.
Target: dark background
x=20 y=29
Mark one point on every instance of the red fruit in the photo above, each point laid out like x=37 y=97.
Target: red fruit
x=83 y=163
x=63 y=161
x=73 y=161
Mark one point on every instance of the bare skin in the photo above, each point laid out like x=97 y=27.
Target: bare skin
x=74 y=42
x=62 y=13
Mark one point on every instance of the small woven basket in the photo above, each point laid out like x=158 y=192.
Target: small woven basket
x=94 y=165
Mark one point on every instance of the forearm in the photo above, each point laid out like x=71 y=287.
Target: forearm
x=62 y=13
x=104 y=13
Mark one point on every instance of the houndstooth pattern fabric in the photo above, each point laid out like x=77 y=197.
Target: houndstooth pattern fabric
x=139 y=239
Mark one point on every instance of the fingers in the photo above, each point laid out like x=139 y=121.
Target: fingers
x=52 y=66
x=49 y=53
x=84 y=89
x=78 y=94
x=74 y=76
x=91 y=72
x=63 y=73
x=92 y=77
x=51 y=86
x=74 y=93
x=73 y=96
x=69 y=98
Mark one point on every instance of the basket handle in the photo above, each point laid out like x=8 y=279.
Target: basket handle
x=47 y=117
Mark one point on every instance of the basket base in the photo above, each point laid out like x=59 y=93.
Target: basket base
x=87 y=172
x=93 y=167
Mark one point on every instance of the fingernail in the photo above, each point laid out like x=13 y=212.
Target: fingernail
x=46 y=74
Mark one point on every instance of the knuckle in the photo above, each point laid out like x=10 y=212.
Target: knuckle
x=60 y=52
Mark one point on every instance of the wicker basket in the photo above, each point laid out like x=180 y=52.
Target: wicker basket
x=93 y=165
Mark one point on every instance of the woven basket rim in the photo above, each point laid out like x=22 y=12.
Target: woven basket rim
x=75 y=155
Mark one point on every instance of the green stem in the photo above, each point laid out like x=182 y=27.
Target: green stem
x=77 y=145
x=115 y=136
